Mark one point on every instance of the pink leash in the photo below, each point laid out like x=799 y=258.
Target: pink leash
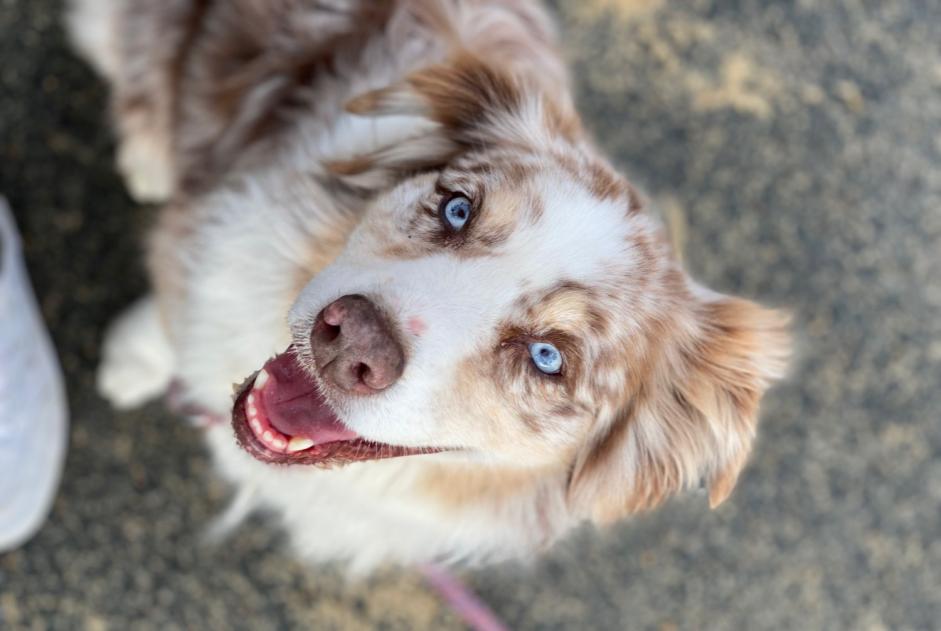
x=461 y=599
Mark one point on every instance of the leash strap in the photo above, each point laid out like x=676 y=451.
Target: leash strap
x=461 y=599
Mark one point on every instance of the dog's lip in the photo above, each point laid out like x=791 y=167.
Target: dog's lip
x=269 y=421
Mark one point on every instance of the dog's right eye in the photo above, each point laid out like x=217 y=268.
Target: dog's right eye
x=546 y=357
x=455 y=211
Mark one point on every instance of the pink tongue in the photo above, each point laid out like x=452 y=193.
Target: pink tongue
x=294 y=406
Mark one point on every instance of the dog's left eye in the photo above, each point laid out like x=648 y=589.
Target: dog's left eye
x=455 y=211
x=546 y=357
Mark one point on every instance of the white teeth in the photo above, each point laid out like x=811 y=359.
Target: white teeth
x=268 y=436
x=261 y=379
x=252 y=410
x=256 y=426
x=299 y=443
x=280 y=444
x=251 y=399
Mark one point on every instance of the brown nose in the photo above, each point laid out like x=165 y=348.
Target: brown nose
x=354 y=347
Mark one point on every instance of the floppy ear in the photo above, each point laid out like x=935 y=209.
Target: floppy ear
x=468 y=102
x=472 y=99
x=691 y=419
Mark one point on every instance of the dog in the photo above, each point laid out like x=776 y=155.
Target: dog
x=455 y=332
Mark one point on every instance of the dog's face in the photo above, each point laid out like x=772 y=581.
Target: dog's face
x=511 y=301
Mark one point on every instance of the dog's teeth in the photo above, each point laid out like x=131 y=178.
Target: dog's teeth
x=251 y=399
x=268 y=436
x=280 y=444
x=256 y=425
x=261 y=379
x=299 y=443
x=252 y=410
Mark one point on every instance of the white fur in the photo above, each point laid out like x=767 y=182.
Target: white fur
x=144 y=162
x=137 y=360
x=93 y=27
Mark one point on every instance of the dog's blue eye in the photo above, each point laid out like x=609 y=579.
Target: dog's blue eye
x=456 y=212
x=547 y=357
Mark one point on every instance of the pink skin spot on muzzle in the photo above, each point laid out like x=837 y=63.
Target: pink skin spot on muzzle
x=416 y=326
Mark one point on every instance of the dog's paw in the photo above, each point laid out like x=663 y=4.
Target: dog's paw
x=137 y=360
x=92 y=26
x=144 y=161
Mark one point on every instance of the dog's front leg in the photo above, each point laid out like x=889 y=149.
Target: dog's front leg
x=137 y=358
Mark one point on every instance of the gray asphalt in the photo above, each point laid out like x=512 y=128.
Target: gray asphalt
x=795 y=146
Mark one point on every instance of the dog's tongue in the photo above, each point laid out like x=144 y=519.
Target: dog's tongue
x=293 y=403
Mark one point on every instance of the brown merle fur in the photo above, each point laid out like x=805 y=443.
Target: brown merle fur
x=661 y=381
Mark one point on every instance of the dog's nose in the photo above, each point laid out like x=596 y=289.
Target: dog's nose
x=355 y=347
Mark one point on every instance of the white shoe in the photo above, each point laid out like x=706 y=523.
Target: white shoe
x=33 y=409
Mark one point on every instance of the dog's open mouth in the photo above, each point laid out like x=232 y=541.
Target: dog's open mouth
x=281 y=417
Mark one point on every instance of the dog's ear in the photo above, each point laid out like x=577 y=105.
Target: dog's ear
x=475 y=101
x=691 y=418
x=465 y=102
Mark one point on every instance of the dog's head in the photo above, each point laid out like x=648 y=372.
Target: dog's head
x=508 y=299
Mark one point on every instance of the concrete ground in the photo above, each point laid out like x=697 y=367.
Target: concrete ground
x=796 y=145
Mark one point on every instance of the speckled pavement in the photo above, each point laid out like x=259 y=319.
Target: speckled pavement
x=796 y=148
